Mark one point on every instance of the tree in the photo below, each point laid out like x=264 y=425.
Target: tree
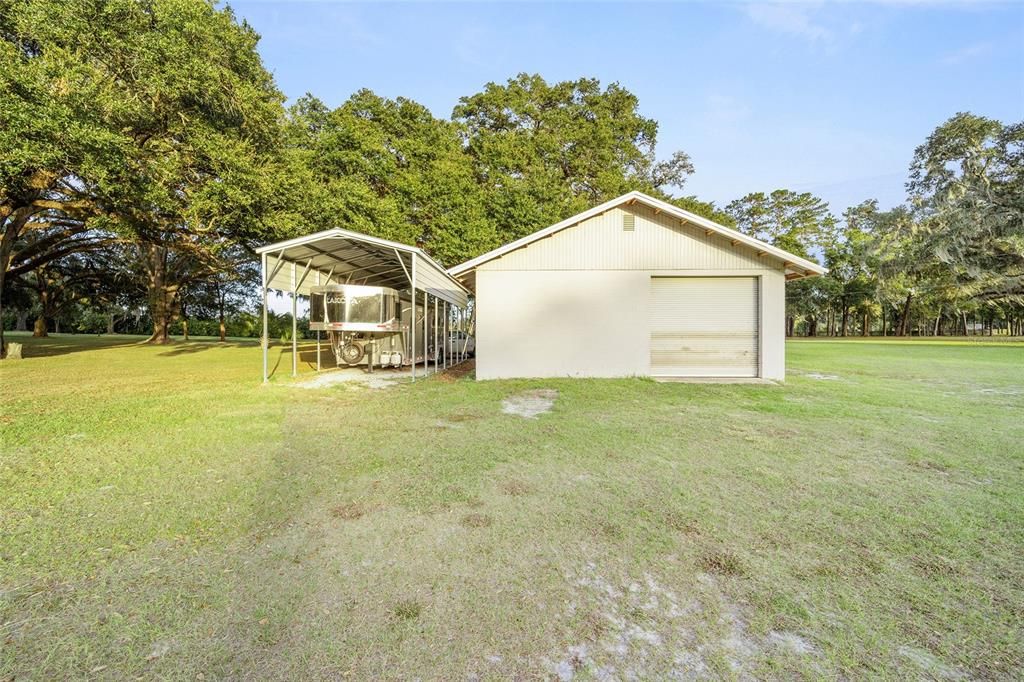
x=54 y=141
x=904 y=265
x=390 y=169
x=170 y=113
x=852 y=264
x=967 y=189
x=545 y=151
x=799 y=223
x=226 y=291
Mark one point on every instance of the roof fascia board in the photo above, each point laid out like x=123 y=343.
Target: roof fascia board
x=650 y=201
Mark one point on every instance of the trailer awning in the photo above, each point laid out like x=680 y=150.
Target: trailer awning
x=338 y=256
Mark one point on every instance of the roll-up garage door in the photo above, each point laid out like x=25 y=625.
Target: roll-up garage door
x=704 y=326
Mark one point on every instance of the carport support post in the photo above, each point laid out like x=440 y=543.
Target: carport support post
x=317 y=331
x=436 y=358
x=426 y=311
x=295 y=326
x=447 y=336
x=412 y=319
x=263 y=337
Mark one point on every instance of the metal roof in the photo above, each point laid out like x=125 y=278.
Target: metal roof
x=338 y=256
x=796 y=267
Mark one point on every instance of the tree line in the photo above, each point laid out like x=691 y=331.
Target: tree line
x=948 y=261
x=145 y=151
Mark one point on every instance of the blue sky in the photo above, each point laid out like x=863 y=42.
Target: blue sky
x=829 y=98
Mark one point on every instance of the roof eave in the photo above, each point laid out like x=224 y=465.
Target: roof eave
x=809 y=268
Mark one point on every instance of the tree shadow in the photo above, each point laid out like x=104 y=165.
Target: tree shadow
x=176 y=348
x=65 y=344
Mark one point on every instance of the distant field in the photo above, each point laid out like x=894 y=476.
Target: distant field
x=165 y=515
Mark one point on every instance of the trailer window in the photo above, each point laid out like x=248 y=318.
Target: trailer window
x=316 y=307
x=364 y=309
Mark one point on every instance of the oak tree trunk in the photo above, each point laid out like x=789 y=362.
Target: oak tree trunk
x=223 y=328
x=905 y=318
x=162 y=294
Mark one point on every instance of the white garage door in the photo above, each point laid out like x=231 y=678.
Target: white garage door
x=704 y=326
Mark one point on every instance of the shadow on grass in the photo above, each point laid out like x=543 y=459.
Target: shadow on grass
x=307 y=358
x=65 y=344
x=176 y=348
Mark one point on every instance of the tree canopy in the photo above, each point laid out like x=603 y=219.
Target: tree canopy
x=145 y=151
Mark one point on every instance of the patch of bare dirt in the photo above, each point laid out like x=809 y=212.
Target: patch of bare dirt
x=515 y=488
x=530 y=404
x=627 y=628
x=350 y=511
x=681 y=523
x=452 y=374
x=929 y=664
x=477 y=520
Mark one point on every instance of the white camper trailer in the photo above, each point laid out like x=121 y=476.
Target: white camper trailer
x=370 y=325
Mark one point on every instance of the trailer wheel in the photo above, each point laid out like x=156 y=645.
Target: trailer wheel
x=352 y=353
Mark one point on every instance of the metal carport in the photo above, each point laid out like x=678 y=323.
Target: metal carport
x=338 y=256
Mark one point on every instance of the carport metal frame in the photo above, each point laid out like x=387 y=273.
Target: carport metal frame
x=344 y=257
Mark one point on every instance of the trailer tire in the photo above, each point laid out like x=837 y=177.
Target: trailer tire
x=352 y=353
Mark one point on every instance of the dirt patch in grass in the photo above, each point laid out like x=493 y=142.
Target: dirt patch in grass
x=933 y=466
x=452 y=374
x=350 y=511
x=515 y=488
x=353 y=377
x=477 y=520
x=530 y=404
x=680 y=522
x=721 y=563
x=642 y=629
x=929 y=664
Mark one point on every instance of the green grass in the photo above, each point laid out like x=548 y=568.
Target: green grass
x=165 y=515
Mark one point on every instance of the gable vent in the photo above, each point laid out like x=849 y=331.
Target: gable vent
x=628 y=222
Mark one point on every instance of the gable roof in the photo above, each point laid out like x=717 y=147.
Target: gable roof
x=344 y=256
x=796 y=267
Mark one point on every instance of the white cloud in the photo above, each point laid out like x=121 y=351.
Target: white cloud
x=967 y=53
x=793 y=19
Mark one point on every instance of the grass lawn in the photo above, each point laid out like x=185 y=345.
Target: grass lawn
x=164 y=515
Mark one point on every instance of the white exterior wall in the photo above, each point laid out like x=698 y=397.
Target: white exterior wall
x=576 y=303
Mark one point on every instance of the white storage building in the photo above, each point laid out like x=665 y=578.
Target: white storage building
x=633 y=287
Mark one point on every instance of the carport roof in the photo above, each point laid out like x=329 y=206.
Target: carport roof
x=338 y=256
